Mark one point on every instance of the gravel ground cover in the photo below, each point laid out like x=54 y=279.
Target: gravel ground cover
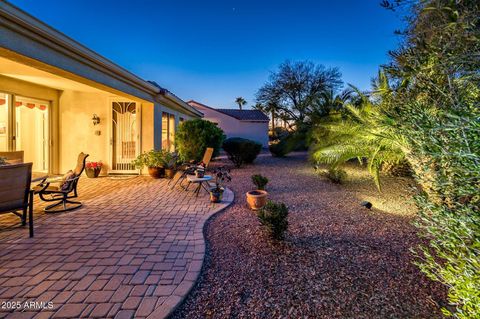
x=339 y=260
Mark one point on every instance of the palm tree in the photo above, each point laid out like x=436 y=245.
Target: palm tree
x=363 y=132
x=241 y=102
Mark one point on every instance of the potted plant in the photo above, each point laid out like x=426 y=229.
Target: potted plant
x=170 y=160
x=92 y=169
x=200 y=170
x=259 y=181
x=153 y=160
x=256 y=199
x=222 y=175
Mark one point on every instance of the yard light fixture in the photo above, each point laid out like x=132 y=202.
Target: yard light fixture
x=95 y=119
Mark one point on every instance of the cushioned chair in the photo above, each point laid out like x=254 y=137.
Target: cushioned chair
x=61 y=190
x=15 y=194
x=15 y=157
x=189 y=168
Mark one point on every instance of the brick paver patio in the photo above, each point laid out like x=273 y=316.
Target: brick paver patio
x=134 y=250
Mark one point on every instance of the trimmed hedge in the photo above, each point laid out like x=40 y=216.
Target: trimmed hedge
x=241 y=150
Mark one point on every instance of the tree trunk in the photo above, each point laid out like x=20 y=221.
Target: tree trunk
x=273 y=120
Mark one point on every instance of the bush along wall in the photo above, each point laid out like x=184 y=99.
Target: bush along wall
x=195 y=136
x=241 y=151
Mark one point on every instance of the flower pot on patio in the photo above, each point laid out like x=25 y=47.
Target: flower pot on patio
x=92 y=172
x=92 y=169
x=199 y=172
x=156 y=172
x=169 y=173
x=216 y=194
x=256 y=199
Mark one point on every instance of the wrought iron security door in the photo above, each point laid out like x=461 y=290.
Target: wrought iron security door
x=125 y=136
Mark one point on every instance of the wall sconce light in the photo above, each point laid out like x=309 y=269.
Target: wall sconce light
x=95 y=119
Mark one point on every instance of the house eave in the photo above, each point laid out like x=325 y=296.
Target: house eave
x=21 y=22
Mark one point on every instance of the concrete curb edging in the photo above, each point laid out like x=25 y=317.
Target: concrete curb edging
x=174 y=301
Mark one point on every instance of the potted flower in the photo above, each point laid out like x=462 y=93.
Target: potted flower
x=256 y=199
x=170 y=160
x=154 y=161
x=222 y=175
x=92 y=169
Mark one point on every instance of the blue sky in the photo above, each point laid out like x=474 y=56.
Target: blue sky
x=214 y=51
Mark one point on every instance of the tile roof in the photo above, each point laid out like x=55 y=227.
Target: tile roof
x=241 y=115
x=245 y=115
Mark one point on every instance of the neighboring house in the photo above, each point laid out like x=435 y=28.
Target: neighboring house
x=250 y=124
x=53 y=91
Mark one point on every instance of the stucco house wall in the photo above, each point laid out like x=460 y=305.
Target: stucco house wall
x=37 y=61
x=256 y=131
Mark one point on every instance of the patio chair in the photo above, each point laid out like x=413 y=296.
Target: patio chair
x=189 y=168
x=61 y=190
x=15 y=157
x=15 y=193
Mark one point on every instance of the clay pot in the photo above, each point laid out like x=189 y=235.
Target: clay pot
x=92 y=172
x=169 y=173
x=156 y=172
x=216 y=195
x=256 y=199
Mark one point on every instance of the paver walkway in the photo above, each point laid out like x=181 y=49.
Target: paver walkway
x=133 y=250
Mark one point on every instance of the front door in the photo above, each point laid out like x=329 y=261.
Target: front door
x=125 y=136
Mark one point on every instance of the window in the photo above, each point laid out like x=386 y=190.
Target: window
x=181 y=119
x=168 y=131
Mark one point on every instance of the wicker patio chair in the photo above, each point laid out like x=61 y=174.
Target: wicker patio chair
x=61 y=190
x=15 y=193
x=189 y=168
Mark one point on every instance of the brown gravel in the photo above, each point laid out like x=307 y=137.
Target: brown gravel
x=339 y=260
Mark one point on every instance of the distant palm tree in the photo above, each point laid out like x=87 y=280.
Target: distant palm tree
x=241 y=102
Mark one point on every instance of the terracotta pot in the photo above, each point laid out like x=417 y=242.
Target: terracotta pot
x=156 y=172
x=169 y=173
x=92 y=172
x=216 y=195
x=256 y=199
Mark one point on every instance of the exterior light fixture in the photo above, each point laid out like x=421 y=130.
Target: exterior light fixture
x=95 y=119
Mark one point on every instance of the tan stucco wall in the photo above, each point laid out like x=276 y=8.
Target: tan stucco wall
x=255 y=131
x=77 y=132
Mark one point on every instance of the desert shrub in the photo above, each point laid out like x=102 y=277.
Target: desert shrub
x=436 y=107
x=273 y=216
x=194 y=136
x=241 y=151
x=279 y=148
x=335 y=175
x=259 y=181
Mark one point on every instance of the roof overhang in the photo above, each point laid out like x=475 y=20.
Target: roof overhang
x=25 y=39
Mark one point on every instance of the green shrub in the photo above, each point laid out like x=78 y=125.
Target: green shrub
x=273 y=216
x=435 y=105
x=279 y=148
x=336 y=175
x=241 y=151
x=259 y=181
x=152 y=158
x=194 y=136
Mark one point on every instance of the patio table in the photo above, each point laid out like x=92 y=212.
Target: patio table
x=201 y=181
